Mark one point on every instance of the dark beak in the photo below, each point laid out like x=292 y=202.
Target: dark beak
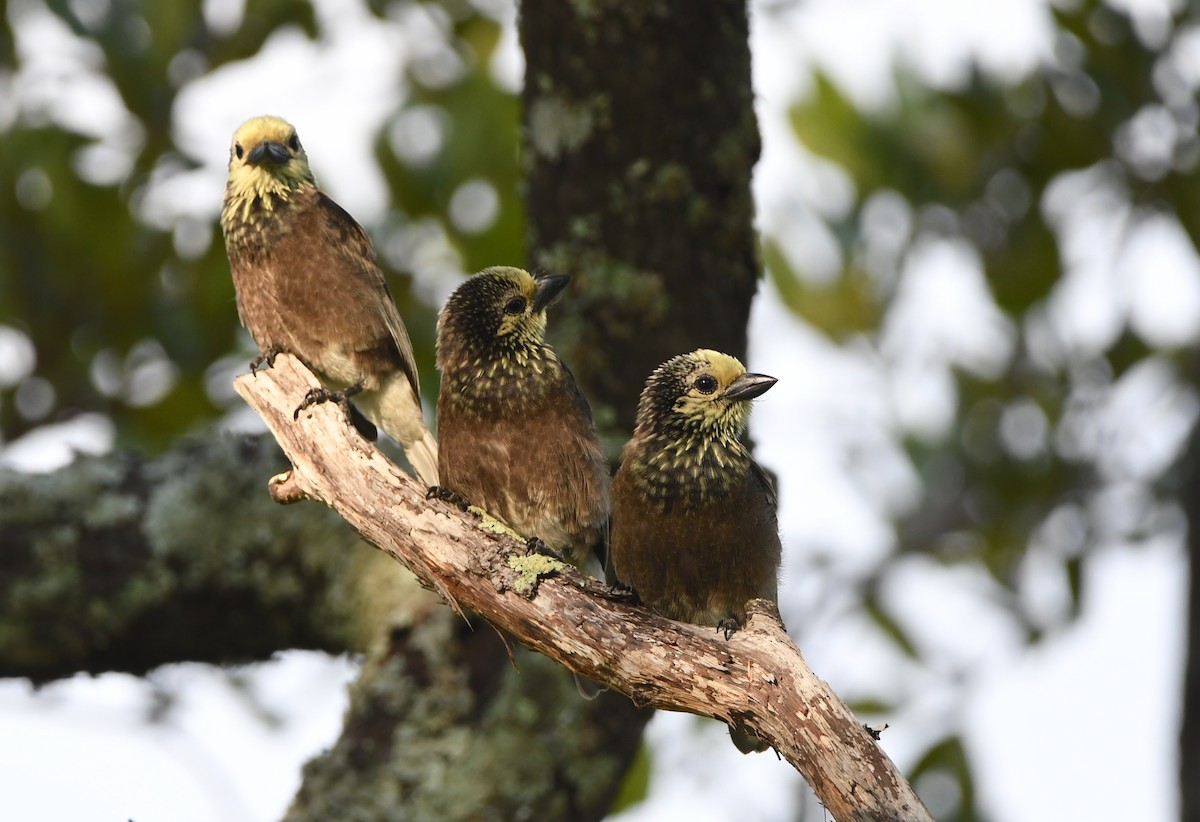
x=749 y=386
x=268 y=153
x=548 y=288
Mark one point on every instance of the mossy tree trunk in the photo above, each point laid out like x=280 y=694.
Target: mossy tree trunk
x=640 y=139
x=122 y=563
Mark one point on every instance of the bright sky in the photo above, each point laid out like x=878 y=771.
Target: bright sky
x=1041 y=728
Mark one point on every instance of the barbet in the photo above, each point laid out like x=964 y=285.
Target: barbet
x=307 y=284
x=694 y=529
x=516 y=432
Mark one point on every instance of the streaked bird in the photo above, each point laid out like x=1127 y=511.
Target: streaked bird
x=516 y=432
x=694 y=530
x=307 y=284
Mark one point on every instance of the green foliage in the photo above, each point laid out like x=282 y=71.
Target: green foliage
x=889 y=626
x=848 y=305
x=636 y=784
x=943 y=778
x=986 y=154
x=980 y=159
x=480 y=142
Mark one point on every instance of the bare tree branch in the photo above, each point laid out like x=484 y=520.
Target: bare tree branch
x=757 y=678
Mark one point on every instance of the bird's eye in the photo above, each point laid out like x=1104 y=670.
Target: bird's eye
x=515 y=306
x=294 y=143
x=705 y=384
x=238 y=150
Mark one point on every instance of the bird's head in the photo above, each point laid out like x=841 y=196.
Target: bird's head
x=704 y=394
x=266 y=160
x=497 y=319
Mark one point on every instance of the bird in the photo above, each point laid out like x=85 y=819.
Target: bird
x=694 y=529
x=516 y=433
x=307 y=283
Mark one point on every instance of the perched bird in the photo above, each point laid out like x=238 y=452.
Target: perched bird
x=693 y=515
x=307 y=284
x=516 y=432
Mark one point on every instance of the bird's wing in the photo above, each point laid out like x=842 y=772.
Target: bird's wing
x=576 y=393
x=353 y=240
x=767 y=481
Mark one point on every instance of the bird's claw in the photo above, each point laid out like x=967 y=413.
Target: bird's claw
x=729 y=626
x=316 y=396
x=620 y=592
x=265 y=358
x=446 y=495
x=875 y=732
x=536 y=546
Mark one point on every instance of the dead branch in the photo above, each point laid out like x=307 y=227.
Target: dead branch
x=756 y=679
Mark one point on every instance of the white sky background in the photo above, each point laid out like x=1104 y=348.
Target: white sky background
x=1041 y=727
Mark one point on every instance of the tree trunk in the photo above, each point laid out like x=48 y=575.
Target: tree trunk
x=640 y=140
x=442 y=725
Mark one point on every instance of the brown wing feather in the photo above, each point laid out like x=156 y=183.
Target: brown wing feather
x=357 y=258
x=540 y=470
x=308 y=284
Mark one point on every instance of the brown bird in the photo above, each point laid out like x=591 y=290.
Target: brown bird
x=307 y=283
x=694 y=530
x=516 y=432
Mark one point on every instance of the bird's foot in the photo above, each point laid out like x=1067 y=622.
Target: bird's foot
x=316 y=396
x=875 y=732
x=620 y=592
x=536 y=546
x=446 y=495
x=729 y=626
x=266 y=358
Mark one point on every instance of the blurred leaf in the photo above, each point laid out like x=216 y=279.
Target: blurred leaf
x=947 y=759
x=636 y=784
x=846 y=306
x=889 y=626
x=870 y=707
x=1074 y=567
x=478 y=123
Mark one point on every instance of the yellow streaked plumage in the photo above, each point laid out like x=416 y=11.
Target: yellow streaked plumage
x=693 y=516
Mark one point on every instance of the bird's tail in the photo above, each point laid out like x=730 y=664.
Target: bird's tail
x=747 y=741
x=422 y=454
x=397 y=410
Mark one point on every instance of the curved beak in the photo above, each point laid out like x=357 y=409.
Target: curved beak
x=749 y=386
x=548 y=287
x=268 y=153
